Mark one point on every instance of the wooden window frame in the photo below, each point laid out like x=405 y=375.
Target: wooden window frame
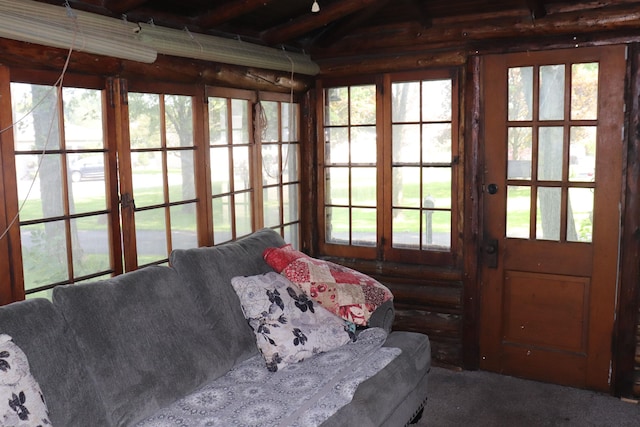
x=118 y=176
x=283 y=225
x=13 y=238
x=127 y=195
x=384 y=250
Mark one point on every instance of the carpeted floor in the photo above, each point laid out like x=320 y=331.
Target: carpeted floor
x=483 y=399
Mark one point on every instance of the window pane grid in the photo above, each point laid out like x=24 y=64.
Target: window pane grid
x=60 y=172
x=558 y=159
x=163 y=174
x=279 y=168
x=351 y=166
x=421 y=145
x=230 y=150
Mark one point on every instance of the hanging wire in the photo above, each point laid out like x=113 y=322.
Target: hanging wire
x=193 y=39
x=57 y=86
x=261 y=125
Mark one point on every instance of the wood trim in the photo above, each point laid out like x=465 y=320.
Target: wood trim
x=309 y=233
x=202 y=165
x=625 y=335
x=11 y=274
x=111 y=176
x=127 y=207
x=471 y=95
x=603 y=298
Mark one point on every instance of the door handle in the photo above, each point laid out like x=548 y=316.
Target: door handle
x=491 y=253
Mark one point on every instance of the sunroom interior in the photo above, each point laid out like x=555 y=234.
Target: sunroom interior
x=480 y=159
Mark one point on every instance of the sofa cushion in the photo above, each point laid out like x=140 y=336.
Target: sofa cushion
x=350 y=294
x=208 y=271
x=142 y=339
x=301 y=394
x=403 y=382
x=55 y=362
x=288 y=326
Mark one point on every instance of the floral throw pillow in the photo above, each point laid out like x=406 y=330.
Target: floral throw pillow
x=21 y=401
x=343 y=291
x=289 y=327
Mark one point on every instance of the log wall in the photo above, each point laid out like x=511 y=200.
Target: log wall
x=426 y=301
x=440 y=303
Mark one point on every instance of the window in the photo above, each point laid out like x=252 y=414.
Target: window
x=162 y=174
x=279 y=136
x=390 y=153
x=254 y=158
x=421 y=166
x=66 y=210
x=350 y=172
x=230 y=151
x=112 y=175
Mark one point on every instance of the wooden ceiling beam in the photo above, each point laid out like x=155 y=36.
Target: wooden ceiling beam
x=123 y=6
x=450 y=33
x=228 y=11
x=338 y=31
x=537 y=9
x=423 y=10
x=311 y=21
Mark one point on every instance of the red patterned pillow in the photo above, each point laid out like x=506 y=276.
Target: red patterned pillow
x=341 y=290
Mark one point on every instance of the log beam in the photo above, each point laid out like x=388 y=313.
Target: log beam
x=122 y=6
x=537 y=9
x=311 y=21
x=340 y=30
x=228 y=11
x=465 y=31
x=15 y=54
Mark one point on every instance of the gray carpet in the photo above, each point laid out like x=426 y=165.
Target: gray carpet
x=477 y=398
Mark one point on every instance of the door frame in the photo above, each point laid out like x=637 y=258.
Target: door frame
x=625 y=337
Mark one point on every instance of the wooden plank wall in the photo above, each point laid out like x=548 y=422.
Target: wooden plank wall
x=434 y=308
x=426 y=301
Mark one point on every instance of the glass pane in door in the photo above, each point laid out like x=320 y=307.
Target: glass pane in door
x=548 y=216
x=519 y=152
x=518 y=211
x=520 y=93
x=550 y=149
x=551 y=92
x=584 y=91
x=580 y=216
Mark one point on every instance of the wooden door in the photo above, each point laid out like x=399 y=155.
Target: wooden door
x=551 y=206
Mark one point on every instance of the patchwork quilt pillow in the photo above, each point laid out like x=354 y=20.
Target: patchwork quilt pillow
x=289 y=327
x=21 y=401
x=343 y=291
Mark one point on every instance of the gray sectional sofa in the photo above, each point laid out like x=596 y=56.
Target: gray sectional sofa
x=117 y=352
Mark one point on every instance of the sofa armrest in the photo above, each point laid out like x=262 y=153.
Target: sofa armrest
x=383 y=316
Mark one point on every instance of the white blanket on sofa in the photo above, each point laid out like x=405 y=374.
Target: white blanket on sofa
x=302 y=395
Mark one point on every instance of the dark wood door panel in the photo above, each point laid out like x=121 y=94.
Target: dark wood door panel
x=543 y=365
x=548 y=257
x=546 y=311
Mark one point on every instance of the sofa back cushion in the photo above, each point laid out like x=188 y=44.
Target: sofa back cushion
x=208 y=271
x=143 y=340
x=55 y=362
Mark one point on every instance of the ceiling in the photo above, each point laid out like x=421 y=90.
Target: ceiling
x=354 y=25
x=292 y=23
